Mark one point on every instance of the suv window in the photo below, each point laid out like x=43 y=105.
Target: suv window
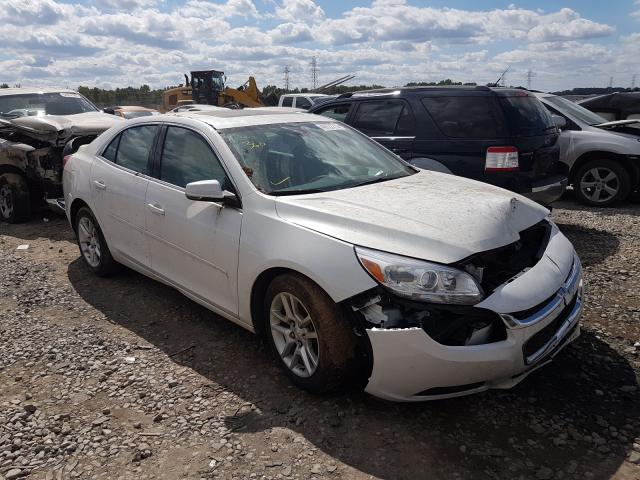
x=337 y=112
x=388 y=117
x=526 y=116
x=287 y=102
x=382 y=117
x=468 y=117
x=187 y=157
x=303 y=102
x=131 y=148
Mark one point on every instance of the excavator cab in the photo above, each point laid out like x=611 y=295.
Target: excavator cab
x=206 y=86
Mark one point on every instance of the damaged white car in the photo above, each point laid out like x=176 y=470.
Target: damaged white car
x=38 y=127
x=359 y=269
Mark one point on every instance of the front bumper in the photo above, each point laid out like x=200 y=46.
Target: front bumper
x=408 y=365
x=548 y=190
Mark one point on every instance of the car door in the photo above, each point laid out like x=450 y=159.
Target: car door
x=119 y=180
x=194 y=244
x=389 y=122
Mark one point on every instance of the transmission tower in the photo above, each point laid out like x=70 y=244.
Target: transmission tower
x=314 y=73
x=530 y=75
x=610 y=82
x=633 y=80
x=286 y=78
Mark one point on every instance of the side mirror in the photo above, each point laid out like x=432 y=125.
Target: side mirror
x=559 y=122
x=208 y=191
x=110 y=111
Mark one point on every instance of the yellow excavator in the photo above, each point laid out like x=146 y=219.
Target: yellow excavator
x=208 y=87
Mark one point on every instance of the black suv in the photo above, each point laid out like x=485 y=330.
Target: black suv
x=501 y=136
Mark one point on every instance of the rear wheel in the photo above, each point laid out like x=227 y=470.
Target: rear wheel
x=309 y=335
x=602 y=183
x=15 y=201
x=93 y=246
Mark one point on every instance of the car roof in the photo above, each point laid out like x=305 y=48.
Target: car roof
x=228 y=118
x=134 y=108
x=31 y=91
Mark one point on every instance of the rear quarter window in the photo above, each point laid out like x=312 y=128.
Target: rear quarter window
x=526 y=116
x=467 y=117
x=287 y=102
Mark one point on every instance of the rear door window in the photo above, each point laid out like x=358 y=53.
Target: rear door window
x=467 y=117
x=187 y=157
x=337 y=112
x=287 y=102
x=132 y=147
x=384 y=118
x=303 y=102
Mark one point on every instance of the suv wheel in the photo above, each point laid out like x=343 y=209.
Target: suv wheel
x=309 y=335
x=15 y=201
x=93 y=247
x=602 y=183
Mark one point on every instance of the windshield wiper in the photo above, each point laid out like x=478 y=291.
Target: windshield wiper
x=375 y=180
x=296 y=192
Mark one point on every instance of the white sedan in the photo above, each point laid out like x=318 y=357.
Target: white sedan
x=357 y=268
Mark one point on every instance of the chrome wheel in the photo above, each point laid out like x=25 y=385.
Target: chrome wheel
x=6 y=201
x=89 y=241
x=294 y=334
x=600 y=184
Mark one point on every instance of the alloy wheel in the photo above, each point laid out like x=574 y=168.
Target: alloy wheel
x=600 y=184
x=6 y=201
x=294 y=334
x=89 y=241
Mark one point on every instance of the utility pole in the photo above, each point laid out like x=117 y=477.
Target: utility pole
x=530 y=75
x=610 y=82
x=286 y=78
x=633 y=81
x=314 y=73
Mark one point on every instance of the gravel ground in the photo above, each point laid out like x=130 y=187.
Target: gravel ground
x=125 y=378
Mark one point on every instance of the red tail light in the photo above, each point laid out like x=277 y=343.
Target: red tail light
x=65 y=159
x=501 y=159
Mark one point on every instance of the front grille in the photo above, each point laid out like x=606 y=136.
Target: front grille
x=501 y=264
x=540 y=339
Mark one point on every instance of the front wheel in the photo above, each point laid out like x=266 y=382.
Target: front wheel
x=93 y=246
x=309 y=335
x=15 y=201
x=602 y=183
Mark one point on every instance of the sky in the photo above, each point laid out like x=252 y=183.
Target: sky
x=116 y=43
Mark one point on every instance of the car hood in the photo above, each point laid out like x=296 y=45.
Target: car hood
x=64 y=127
x=428 y=215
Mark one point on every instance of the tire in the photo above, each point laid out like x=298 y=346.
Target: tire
x=592 y=187
x=15 y=200
x=334 y=346
x=93 y=247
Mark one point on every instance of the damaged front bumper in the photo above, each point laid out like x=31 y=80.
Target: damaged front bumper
x=410 y=365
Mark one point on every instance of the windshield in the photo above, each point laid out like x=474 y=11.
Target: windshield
x=309 y=157
x=574 y=110
x=526 y=116
x=37 y=104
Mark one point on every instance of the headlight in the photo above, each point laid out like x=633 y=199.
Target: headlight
x=420 y=280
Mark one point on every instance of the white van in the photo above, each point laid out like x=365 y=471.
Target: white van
x=302 y=100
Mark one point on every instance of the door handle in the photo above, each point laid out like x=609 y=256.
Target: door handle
x=155 y=209
x=100 y=184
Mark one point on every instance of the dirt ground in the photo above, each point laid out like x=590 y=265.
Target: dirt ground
x=125 y=378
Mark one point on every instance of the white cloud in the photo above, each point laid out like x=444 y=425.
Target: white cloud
x=300 y=11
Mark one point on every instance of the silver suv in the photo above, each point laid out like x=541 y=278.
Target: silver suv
x=603 y=157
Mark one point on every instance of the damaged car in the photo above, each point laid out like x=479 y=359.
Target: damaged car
x=356 y=267
x=38 y=127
